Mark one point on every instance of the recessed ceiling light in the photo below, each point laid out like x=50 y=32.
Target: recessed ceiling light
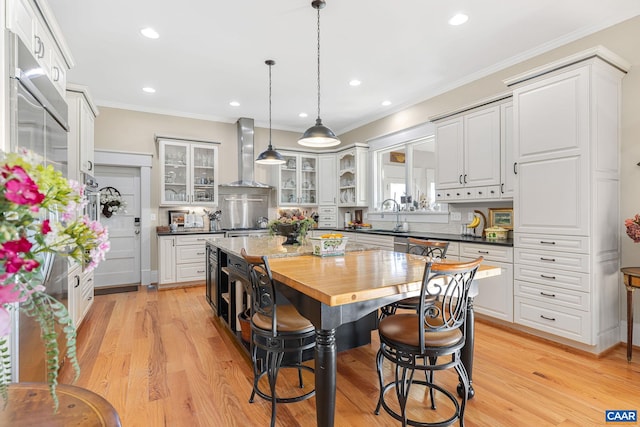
x=458 y=19
x=303 y=115
x=234 y=103
x=385 y=103
x=148 y=90
x=150 y=33
x=355 y=82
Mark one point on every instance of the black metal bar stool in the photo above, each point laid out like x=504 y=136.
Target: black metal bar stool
x=279 y=336
x=428 y=340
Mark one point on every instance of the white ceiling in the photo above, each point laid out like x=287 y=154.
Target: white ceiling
x=212 y=52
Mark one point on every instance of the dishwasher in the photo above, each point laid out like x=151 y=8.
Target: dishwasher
x=400 y=244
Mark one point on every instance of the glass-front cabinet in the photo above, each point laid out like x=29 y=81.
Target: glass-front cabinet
x=297 y=180
x=189 y=172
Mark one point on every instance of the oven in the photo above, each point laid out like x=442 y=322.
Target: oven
x=92 y=196
x=246 y=232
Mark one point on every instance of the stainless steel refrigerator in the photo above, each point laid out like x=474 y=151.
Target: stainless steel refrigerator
x=38 y=121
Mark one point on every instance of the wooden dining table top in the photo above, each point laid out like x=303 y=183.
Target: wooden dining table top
x=357 y=276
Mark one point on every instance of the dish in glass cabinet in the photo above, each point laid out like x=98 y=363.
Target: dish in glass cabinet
x=170 y=194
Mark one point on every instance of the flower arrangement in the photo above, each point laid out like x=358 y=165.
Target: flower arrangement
x=31 y=195
x=633 y=228
x=291 y=223
x=111 y=201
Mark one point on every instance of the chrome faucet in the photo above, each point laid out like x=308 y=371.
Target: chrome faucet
x=396 y=210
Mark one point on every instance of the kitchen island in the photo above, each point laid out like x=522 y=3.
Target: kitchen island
x=336 y=291
x=227 y=283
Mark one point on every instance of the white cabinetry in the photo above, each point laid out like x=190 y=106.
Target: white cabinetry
x=181 y=258
x=86 y=296
x=468 y=155
x=381 y=241
x=189 y=173
x=26 y=20
x=495 y=294
x=566 y=203
x=328 y=182
x=507 y=152
x=327 y=216
x=352 y=177
x=82 y=114
x=297 y=181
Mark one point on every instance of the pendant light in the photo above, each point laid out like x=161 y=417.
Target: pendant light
x=270 y=156
x=319 y=136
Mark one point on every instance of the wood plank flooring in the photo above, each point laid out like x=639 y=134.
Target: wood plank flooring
x=162 y=359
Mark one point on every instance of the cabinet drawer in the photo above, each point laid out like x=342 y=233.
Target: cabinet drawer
x=238 y=266
x=191 y=240
x=553 y=277
x=561 y=321
x=193 y=271
x=578 y=244
x=490 y=252
x=326 y=217
x=328 y=224
x=189 y=254
x=328 y=210
x=493 y=192
x=554 y=295
x=553 y=260
x=385 y=242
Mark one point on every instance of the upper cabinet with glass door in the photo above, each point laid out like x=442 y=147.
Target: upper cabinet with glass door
x=297 y=180
x=189 y=173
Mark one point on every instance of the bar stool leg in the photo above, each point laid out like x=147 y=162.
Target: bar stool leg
x=629 y=323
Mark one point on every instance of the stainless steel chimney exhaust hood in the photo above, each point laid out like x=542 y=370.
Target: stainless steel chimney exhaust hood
x=246 y=156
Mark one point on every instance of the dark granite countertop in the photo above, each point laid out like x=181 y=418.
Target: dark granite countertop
x=183 y=232
x=430 y=235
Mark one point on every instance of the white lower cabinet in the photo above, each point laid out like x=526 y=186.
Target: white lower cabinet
x=85 y=300
x=381 y=241
x=182 y=258
x=327 y=217
x=495 y=294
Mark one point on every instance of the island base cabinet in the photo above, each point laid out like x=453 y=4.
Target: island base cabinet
x=495 y=294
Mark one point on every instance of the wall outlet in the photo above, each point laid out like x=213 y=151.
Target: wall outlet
x=153 y=217
x=470 y=216
x=456 y=216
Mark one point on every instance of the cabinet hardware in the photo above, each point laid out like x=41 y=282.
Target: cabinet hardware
x=515 y=170
x=77 y=281
x=56 y=73
x=479 y=192
x=553 y=319
x=199 y=253
x=460 y=179
x=484 y=252
x=200 y=239
x=548 y=277
x=465 y=178
x=548 y=259
x=90 y=165
x=548 y=295
x=89 y=299
x=501 y=188
x=200 y=271
x=542 y=242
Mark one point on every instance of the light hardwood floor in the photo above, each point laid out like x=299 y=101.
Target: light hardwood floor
x=162 y=359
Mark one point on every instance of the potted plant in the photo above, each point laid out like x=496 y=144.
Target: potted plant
x=291 y=223
x=38 y=219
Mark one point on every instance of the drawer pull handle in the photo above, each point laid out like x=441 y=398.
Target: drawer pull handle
x=548 y=277
x=200 y=253
x=547 y=295
x=548 y=259
x=547 y=243
x=483 y=252
x=200 y=240
x=200 y=271
x=553 y=319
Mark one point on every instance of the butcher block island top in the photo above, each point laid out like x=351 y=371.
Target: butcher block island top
x=362 y=273
x=272 y=246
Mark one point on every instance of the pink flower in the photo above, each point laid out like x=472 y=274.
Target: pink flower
x=46 y=227
x=22 y=190
x=5 y=324
x=9 y=251
x=11 y=293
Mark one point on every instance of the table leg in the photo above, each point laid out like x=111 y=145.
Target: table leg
x=325 y=367
x=629 y=323
x=467 y=351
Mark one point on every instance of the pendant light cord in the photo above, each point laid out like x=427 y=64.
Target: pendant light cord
x=270 y=106
x=318 y=63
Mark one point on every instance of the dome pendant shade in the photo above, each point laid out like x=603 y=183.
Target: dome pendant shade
x=270 y=156
x=319 y=136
